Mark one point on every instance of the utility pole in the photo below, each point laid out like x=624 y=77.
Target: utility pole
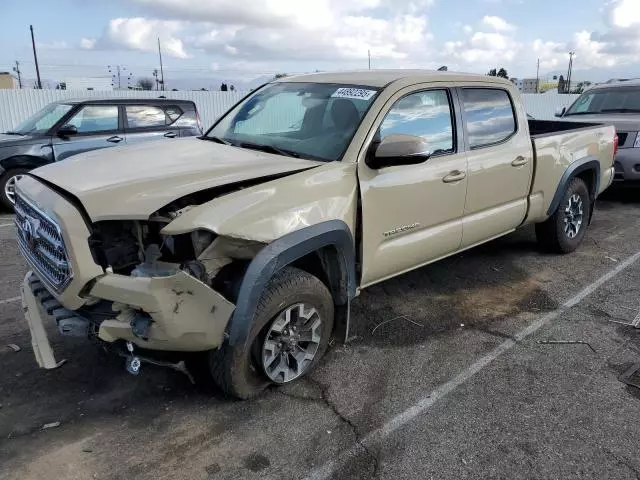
x=35 y=57
x=538 y=78
x=161 y=70
x=119 y=71
x=369 y=55
x=568 y=87
x=17 y=70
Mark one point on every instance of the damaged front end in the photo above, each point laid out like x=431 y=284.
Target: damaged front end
x=128 y=283
x=169 y=292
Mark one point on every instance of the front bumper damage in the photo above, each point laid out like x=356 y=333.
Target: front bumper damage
x=184 y=314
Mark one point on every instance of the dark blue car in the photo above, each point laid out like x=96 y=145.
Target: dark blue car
x=63 y=129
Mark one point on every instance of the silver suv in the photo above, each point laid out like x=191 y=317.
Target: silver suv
x=617 y=104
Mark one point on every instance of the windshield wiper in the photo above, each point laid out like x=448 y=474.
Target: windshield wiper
x=580 y=113
x=620 y=110
x=216 y=139
x=14 y=133
x=268 y=149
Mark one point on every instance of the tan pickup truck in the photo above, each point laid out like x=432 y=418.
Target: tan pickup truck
x=249 y=243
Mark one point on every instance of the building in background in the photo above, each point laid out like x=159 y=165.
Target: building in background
x=525 y=85
x=88 y=83
x=7 y=80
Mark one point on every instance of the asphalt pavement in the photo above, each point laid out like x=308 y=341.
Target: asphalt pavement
x=500 y=362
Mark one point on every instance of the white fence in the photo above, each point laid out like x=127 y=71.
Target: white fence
x=17 y=105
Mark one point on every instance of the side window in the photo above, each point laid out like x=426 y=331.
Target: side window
x=173 y=114
x=425 y=114
x=95 y=118
x=145 y=116
x=489 y=116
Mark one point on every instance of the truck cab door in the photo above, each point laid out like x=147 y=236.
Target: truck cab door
x=94 y=127
x=412 y=214
x=500 y=157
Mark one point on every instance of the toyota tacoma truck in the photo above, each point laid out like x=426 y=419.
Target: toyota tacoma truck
x=245 y=247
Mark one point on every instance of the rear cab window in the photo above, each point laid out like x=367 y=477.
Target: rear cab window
x=489 y=116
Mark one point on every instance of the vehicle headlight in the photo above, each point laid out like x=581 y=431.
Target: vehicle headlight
x=636 y=144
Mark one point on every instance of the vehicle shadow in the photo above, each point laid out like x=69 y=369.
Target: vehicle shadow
x=474 y=289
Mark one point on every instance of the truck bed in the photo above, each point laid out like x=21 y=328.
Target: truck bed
x=557 y=145
x=538 y=128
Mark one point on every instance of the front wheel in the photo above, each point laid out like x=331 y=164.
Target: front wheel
x=292 y=327
x=564 y=231
x=8 y=187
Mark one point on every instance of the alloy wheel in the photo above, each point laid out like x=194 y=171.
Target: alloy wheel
x=291 y=343
x=573 y=216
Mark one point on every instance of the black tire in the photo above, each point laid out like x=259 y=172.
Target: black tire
x=551 y=234
x=4 y=200
x=238 y=371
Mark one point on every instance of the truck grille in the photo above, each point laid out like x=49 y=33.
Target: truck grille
x=41 y=243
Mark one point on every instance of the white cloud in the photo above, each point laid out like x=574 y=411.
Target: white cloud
x=140 y=34
x=497 y=23
x=624 y=13
x=55 y=45
x=87 y=43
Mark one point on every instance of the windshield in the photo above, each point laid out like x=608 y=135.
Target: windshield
x=44 y=119
x=307 y=120
x=607 y=100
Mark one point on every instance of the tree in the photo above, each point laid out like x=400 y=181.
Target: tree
x=443 y=68
x=145 y=83
x=61 y=86
x=561 y=85
x=503 y=73
x=224 y=87
x=279 y=75
x=493 y=73
x=232 y=88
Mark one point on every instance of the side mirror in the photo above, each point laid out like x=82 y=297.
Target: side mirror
x=560 y=111
x=399 y=150
x=67 y=130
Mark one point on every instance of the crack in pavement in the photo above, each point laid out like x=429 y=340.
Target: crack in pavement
x=326 y=401
x=622 y=461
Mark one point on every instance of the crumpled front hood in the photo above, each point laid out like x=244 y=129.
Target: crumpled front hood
x=133 y=182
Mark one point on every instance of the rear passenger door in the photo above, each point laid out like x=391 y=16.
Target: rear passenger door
x=500 y=163
x=98 y=126
x=144 y=122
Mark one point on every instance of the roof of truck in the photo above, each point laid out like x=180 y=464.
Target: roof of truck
x=382 y=78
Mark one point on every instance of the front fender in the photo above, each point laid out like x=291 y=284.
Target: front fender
x=282 y=252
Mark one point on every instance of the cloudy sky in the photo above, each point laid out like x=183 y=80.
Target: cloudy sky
x=240 y=40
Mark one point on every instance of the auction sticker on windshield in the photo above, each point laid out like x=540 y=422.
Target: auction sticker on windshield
x=357 y=93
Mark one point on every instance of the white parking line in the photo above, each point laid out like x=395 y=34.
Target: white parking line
x=328 y=469
x=9 y=300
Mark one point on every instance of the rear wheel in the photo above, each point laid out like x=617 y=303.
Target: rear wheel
x=564 y=231
x=291 y=330
x=8 y=187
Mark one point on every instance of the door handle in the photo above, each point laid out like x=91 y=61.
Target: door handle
x=170 y=135
x=115 y=139
x=519 y=161
x=454 y=176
